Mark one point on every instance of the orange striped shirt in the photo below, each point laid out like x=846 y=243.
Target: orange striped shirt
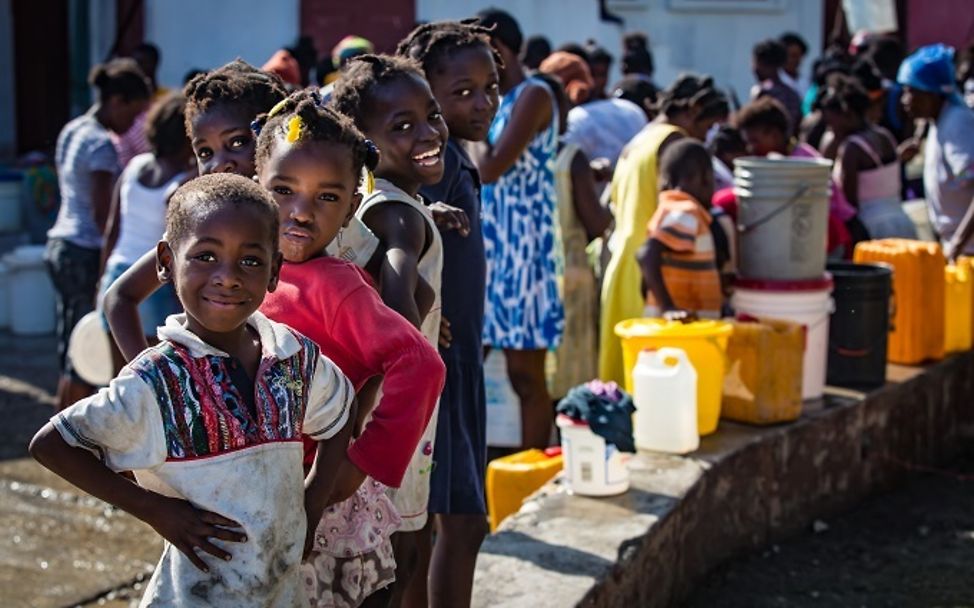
x=689 y=263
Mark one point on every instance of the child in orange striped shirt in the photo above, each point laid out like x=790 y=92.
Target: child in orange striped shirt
x=678 y=260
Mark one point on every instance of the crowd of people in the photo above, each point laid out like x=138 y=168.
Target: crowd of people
x=312 y=275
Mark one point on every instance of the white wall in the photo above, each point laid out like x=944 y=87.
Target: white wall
x=208 y=33
x=707 y=41
x=8 y=116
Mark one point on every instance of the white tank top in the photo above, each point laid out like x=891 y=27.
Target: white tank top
x=142 y=214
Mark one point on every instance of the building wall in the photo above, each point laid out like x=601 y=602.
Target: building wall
x=383 y=22
x=206 y=34
x=947 y=21
x=708 y=40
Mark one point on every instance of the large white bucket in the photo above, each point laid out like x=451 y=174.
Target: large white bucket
x=783 y=217
x=665 y=395
x=806 y=302
x=30 y=292
x=10 y=193
x=592 y=467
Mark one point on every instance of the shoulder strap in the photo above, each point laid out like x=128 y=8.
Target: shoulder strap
x=863 y=145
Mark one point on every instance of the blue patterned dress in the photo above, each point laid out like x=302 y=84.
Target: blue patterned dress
x=523 y=310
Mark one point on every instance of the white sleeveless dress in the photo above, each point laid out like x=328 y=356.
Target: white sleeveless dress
x=412 y=497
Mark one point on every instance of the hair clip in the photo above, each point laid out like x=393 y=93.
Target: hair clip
x=255 y=126
x=277 y=108
x=316 y=97
x=294 y=126
x=369 y=181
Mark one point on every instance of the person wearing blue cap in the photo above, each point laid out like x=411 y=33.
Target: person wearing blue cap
x=930 y=92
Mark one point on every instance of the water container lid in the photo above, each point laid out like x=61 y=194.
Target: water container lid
x=645 y=328
x=822 y=284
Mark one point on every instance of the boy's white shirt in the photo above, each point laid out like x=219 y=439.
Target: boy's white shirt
x=122 y=424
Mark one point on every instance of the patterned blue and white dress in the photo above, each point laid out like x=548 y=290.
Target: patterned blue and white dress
x=523 y=310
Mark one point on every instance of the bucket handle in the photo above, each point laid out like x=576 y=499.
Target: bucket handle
x=745 y=228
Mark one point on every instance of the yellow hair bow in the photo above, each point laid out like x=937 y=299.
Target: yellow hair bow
x=294 y=126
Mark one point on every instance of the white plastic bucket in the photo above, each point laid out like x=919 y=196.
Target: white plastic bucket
x=783 y=217
x=10 y=192
x=592 y=467
x=806 y=302
x=665 y=395
x=31 y=296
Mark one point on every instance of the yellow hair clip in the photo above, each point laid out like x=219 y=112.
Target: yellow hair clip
x=294 y=126
x=369 y=182
x=277 y=108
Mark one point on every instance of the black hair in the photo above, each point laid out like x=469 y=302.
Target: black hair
x=431 y=43
x=826 y=66
x=886 y=53
x=763 y=112
x=536 y=50
x=726 y=139
x=844 y=94
x=165 y=125
x=191 y=74
x=354 y=89
x=693 y=90
x=793 y=39
x=318 y=123
x=684 y=159
x=636 y=56
x=121 y=77
x=503 y=28
x=576 y=49
x=639 y=91
x=868 y=75
x=597 y=54
x=250 y=91
x=149 y=50
x=771 y=53
x=204 y=195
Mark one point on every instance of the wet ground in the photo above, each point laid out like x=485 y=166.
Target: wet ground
x=912 y=547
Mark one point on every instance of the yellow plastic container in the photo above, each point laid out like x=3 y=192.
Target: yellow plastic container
x=513 y=478
x=918 y=295
x=705 y=343
x=959 y=302
x=967 y=262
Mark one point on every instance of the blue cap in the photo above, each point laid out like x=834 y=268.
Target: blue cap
x=931 y=69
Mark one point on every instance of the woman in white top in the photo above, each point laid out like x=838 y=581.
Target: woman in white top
x=138 y=215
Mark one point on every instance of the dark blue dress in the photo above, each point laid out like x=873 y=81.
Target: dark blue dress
x=460 y=452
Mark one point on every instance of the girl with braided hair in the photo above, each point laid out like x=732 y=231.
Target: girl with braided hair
x=461 y=67
x=316 y=162
x=688 y=108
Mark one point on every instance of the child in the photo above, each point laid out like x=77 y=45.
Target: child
x=138 y=216
x=311 y=159
x=724 y=146
x=211 y=418
x=461 y=68
x=678 y=261
x=389 y=99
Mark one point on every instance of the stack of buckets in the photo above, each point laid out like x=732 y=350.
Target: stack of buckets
x=783 y=215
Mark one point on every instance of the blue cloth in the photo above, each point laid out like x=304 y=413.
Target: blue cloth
x=460 y=452
x=523 y=310
x=931 y=69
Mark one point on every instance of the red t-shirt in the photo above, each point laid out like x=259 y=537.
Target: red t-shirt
x=334 y=303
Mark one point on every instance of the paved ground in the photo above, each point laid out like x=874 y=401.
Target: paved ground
x=910 y=547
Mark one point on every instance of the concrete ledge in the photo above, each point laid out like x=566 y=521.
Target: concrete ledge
x=746 y=487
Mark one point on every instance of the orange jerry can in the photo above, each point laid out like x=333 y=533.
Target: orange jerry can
x=513 y=478
x=919 y=296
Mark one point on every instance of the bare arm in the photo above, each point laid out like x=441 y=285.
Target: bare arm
x=850 y=158
x=102 y=187
x=114 y=226
x=650 y=256
x=532 y=112
x=122 y=304
x=962 y=235
x=176 y=520
x=594 y=217
x=402 y=231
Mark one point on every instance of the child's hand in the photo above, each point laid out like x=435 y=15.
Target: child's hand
x=450 y=218
x=189 y=529
x=446 y=336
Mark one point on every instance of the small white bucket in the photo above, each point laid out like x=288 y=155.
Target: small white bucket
x=592 y=468
x=30 y=292
x=808 y=303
